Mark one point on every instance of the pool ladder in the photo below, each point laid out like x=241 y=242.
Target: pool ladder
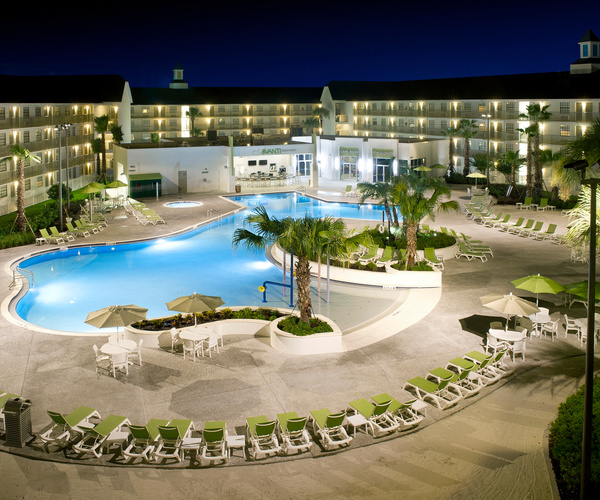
x=20 y=276
x=213 y=213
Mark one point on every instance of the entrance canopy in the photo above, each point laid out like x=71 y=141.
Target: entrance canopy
x=145 y=185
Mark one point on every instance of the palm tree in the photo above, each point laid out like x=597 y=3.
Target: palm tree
x=531 y=131
x=21 y=155
x=319 y=114
x=304 y=237
x=467 y=130
x=193 y=113
x=101 y=126
x=451 y=133
x=416 y=198
x=513 y=160
x=536 y=114
x=579 y=227
x=480 y=162
x=310 y=124
x=97 y=150
x=382 y=192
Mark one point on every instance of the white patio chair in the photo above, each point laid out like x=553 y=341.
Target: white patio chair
x=175 y=338
x=551 y=327
x=136 y=353
x=211 y=343
x=119 y=362
x=570 y=325
x=518 y=347
x=102 y=360
x=192 y=347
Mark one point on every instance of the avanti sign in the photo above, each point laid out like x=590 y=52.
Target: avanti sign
x=267 y=151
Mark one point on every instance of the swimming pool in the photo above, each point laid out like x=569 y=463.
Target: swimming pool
x=70 y=283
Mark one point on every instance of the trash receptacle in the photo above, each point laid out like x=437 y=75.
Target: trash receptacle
x=238 y=188
x=17 y=422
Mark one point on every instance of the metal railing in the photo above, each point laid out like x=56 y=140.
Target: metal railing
x=21 y=276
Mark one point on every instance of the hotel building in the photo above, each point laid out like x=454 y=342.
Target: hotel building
x=244 y=134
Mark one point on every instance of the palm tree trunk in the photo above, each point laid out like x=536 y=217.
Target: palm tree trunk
x=411 y=244
x=21 y=197
x=303 y=287
x=466 y=166
x=450 y=157
x=537 y=182
x=529 y=187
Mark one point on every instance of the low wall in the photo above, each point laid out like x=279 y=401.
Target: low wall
x=392 y=278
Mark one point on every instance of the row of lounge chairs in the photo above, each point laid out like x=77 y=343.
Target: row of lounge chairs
x=143 y=214
x=84 y=227
x=86 y=433
x=541 y=206
x=523 y=227
x=461 y=378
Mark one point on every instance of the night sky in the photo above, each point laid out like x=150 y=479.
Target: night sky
x=307 y=44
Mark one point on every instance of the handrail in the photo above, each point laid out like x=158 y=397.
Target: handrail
x=211 y=211
x=20 y=275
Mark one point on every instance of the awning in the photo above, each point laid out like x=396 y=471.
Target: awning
x=145 y=177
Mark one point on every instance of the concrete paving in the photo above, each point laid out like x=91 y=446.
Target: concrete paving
x=490 y=446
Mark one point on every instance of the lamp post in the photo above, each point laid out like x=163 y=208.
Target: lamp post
x=59 y=129
x=586 y=446
x=488 y=116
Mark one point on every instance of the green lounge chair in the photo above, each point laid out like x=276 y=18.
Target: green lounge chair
x=525 y=205
x=51 y=239
x=380 y=421
x=214 y=442
x=441 y=395
x=329 y=427
x=528 y=225
x=536 y=228
x=479 y=248
x=544 y=205
x=67 y=236
x=144 y=440
x=461 y=381
x=370 y=255
x=98 y=438
x=66 y=427
x=433 y=259
x=496 y=223
x=463 y=251
x=403 y=412
x=388 y=255
x=549 y=233
x=510 y=225
x=77 y=232
x=176 y=438
x=260 y=433
x=483 y=367
x=293 y=434
x=90 y=227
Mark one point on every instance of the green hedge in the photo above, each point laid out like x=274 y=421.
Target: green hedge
x=293 y=325
x=566 y=435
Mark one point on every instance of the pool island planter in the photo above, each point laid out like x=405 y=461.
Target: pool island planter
x=392 y=278
x=317 y=343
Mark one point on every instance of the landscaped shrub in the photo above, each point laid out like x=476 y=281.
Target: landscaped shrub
x=566 y=434
x=182 y=321
x=293 y=325
x=16 y=239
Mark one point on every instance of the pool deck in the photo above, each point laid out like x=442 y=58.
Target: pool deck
x=491 y=446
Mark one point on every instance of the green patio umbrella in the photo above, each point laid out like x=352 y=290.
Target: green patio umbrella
x=90 y=189
x=580 y=288
x=116 y=184
x=538 y=284
x=195 y=303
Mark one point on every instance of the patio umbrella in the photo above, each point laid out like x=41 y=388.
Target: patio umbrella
x=89 y=189
x=116 y=316
x=511 y=305
x=195 y=303
x=580 y=288
x=477 y=175
x=538 y=284
x=116 y=184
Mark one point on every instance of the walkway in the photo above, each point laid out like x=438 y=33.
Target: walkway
x=493 y=448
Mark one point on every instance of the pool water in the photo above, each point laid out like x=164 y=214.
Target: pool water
x=70 y=283
x=183 y=204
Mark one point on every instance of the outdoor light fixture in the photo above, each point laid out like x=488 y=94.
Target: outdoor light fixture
x=586 y=447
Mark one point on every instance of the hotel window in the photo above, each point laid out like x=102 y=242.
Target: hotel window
x=38 y=135
x=3 y=141
x=4 y=166
x=221 y=110
x=565 y=108
x=482 y=145
x=173 y=110
x=444 y=106
x=467 y=106
x=25 y=135
x=565 y=130
x=25 y=112
x=431 y=106
x=431 y=124
x=510 y=107
x=509 y=146
x=39 y=181
x=443 y=124
x=303 y=164
x=38 y=111
x=510 y=128
x=3 y=191
x=482 y=107
x=2 y=113
x=27 y=184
